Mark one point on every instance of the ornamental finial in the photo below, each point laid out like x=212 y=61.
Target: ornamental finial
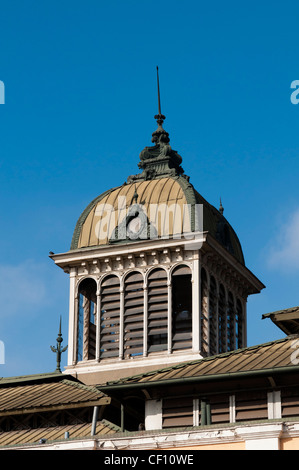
x=221 y=208
x=159 y=115
x=160 y=135
x=58 y=349
x=160 y=159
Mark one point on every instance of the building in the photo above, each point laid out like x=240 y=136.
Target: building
x=157 y=351
x=157 y=274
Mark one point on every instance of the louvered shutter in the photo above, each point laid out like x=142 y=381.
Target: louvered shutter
x=204 y=320
x=219 y=406
x=86 y=327
x=133 y=314
x=157 y=310
x=110 y=317
x=92 y=331
x=251 y=405
x=181 y=308
x=177 y=412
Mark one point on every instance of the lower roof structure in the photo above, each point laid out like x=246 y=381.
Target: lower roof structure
x=45 y=392
x=46 y=435
x=263 y=359
x=287 y=320
x=44 y=407
x=231 y=400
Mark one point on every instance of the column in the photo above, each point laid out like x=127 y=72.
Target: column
x=121 y=321
x=169 y=322
x=205 y=327
x=86 y=310
x=196 y=303
x=145 y=321
x=244 y=324
x=274 y=404
x=217 y=318
x=98 y=324
x=73 y=312
x=153 y=414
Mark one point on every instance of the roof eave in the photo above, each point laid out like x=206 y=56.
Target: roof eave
x=199 y=379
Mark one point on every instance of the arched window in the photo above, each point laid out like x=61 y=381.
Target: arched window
x=181 y=308
x=222 y=344
x=86 y=332
x=110 y=317
x=133 y=314
x=204 y=313
x=213 y=316
x=157 y=310
x=239 y=325
x=230 y=323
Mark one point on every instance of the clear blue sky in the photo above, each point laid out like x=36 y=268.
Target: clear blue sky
x=80 y=96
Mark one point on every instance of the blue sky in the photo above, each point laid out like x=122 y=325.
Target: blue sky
x=80 y=96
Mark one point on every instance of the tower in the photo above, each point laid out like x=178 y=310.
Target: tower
x=157 y=274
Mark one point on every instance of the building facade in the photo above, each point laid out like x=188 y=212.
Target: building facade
x=157 y=274
x=157 y=341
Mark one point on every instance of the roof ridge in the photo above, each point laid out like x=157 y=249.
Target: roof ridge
x=13 y=380
x=83 y=386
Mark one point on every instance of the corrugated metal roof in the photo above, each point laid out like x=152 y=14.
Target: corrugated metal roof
x=17 y=396
x=97 y=222
x=101 y=220
x=273 y=355
x=55 y=433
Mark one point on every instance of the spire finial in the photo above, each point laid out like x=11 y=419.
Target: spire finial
x=159 y=117
x=160 y=135
x=58 y=349
x=221 y=209
x=158 y=85
x=159 y=159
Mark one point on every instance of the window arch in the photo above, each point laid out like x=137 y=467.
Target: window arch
x=157 y=310
x=110 y=317
x=86 y=331
x=181 y=308
x=133 y=314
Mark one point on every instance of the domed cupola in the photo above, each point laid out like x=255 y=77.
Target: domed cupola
x=160 y=191
x=157 y=274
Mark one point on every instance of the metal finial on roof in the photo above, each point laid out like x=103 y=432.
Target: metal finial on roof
x=221 y=209
x=58 y=349
x=160 y=159
x=158 y=85
x=160 y=136
x=160 y=117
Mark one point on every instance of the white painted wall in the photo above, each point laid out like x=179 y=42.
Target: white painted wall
x=153 y=414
